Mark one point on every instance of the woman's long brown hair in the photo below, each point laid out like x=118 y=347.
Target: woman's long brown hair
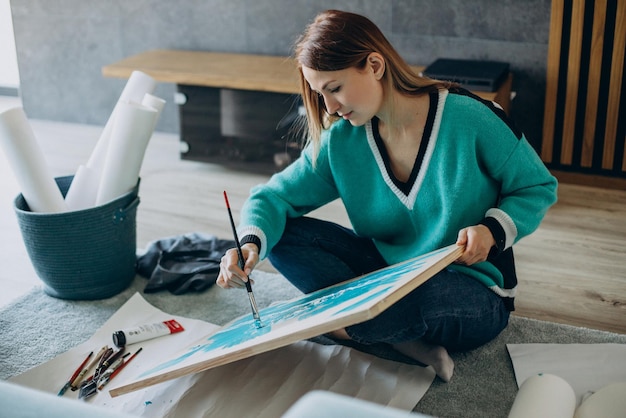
x=337 y=40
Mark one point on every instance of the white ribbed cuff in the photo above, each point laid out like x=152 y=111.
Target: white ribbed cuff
x=257 y=232
x=510 y=230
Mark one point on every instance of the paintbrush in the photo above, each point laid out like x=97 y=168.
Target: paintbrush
x=242 y=262
x=74 y=375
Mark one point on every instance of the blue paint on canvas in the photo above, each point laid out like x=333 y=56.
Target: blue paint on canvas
x=349 y=296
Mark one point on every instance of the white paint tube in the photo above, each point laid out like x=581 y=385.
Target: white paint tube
x=146 y=332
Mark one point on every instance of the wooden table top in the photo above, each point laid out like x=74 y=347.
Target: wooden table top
x=234 y=71
x=212 y=69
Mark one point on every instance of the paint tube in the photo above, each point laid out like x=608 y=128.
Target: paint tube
x=146 y=332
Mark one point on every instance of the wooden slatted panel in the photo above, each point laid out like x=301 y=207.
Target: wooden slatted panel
x=584 y=128
x=617 y=75
x=552 y=79
x=573 y=75
x=593 y=82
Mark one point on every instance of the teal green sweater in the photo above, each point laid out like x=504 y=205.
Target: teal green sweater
x=473 y=167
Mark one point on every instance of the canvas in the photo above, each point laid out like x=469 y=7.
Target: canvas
x=304 y=317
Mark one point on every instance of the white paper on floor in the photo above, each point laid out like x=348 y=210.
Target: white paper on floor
x=265 y=385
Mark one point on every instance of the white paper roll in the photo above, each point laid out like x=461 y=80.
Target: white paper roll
x=608 y=402
x=138 y=85
x=28 y=163
x=544 y=396
x=83 y=190
x=131 y=132
x=153 y=102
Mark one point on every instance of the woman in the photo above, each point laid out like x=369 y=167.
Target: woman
x=419 y=164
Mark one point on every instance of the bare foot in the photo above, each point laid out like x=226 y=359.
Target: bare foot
x=431 y=355
x=340 y=334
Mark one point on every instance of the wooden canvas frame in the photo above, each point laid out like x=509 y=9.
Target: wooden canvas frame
x=308 y=316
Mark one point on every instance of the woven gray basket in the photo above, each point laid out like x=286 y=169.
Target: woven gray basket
x=86 y=254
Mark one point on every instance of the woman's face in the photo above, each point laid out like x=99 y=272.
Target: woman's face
x=353 y=94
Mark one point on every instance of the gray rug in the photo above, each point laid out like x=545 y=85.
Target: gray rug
x=37 y=328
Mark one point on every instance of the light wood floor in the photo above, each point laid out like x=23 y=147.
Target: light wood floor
x=572 y=270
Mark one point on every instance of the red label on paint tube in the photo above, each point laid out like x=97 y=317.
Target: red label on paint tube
x=174 y=326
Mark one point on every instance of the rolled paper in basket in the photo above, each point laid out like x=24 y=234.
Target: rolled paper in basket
x=138 y=150
x=28 y=163
x=154 y=102
x=131 y=132
x=77 y=197
x=544 y=396
x=137 y=86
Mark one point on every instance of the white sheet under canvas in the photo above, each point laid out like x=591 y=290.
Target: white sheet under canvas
x=265 y=385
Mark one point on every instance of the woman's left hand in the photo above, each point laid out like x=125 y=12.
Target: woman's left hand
x=478 y=241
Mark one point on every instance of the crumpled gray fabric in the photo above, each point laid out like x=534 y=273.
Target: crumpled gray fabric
x=184 y=263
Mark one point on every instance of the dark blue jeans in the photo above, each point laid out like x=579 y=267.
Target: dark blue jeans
x=450 y=309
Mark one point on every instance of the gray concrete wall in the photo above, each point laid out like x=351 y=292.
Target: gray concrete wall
x=63 y=44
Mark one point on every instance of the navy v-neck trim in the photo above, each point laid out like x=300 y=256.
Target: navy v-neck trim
x=406 y=186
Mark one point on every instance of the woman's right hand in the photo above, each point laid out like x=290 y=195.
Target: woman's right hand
x=231 y=275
